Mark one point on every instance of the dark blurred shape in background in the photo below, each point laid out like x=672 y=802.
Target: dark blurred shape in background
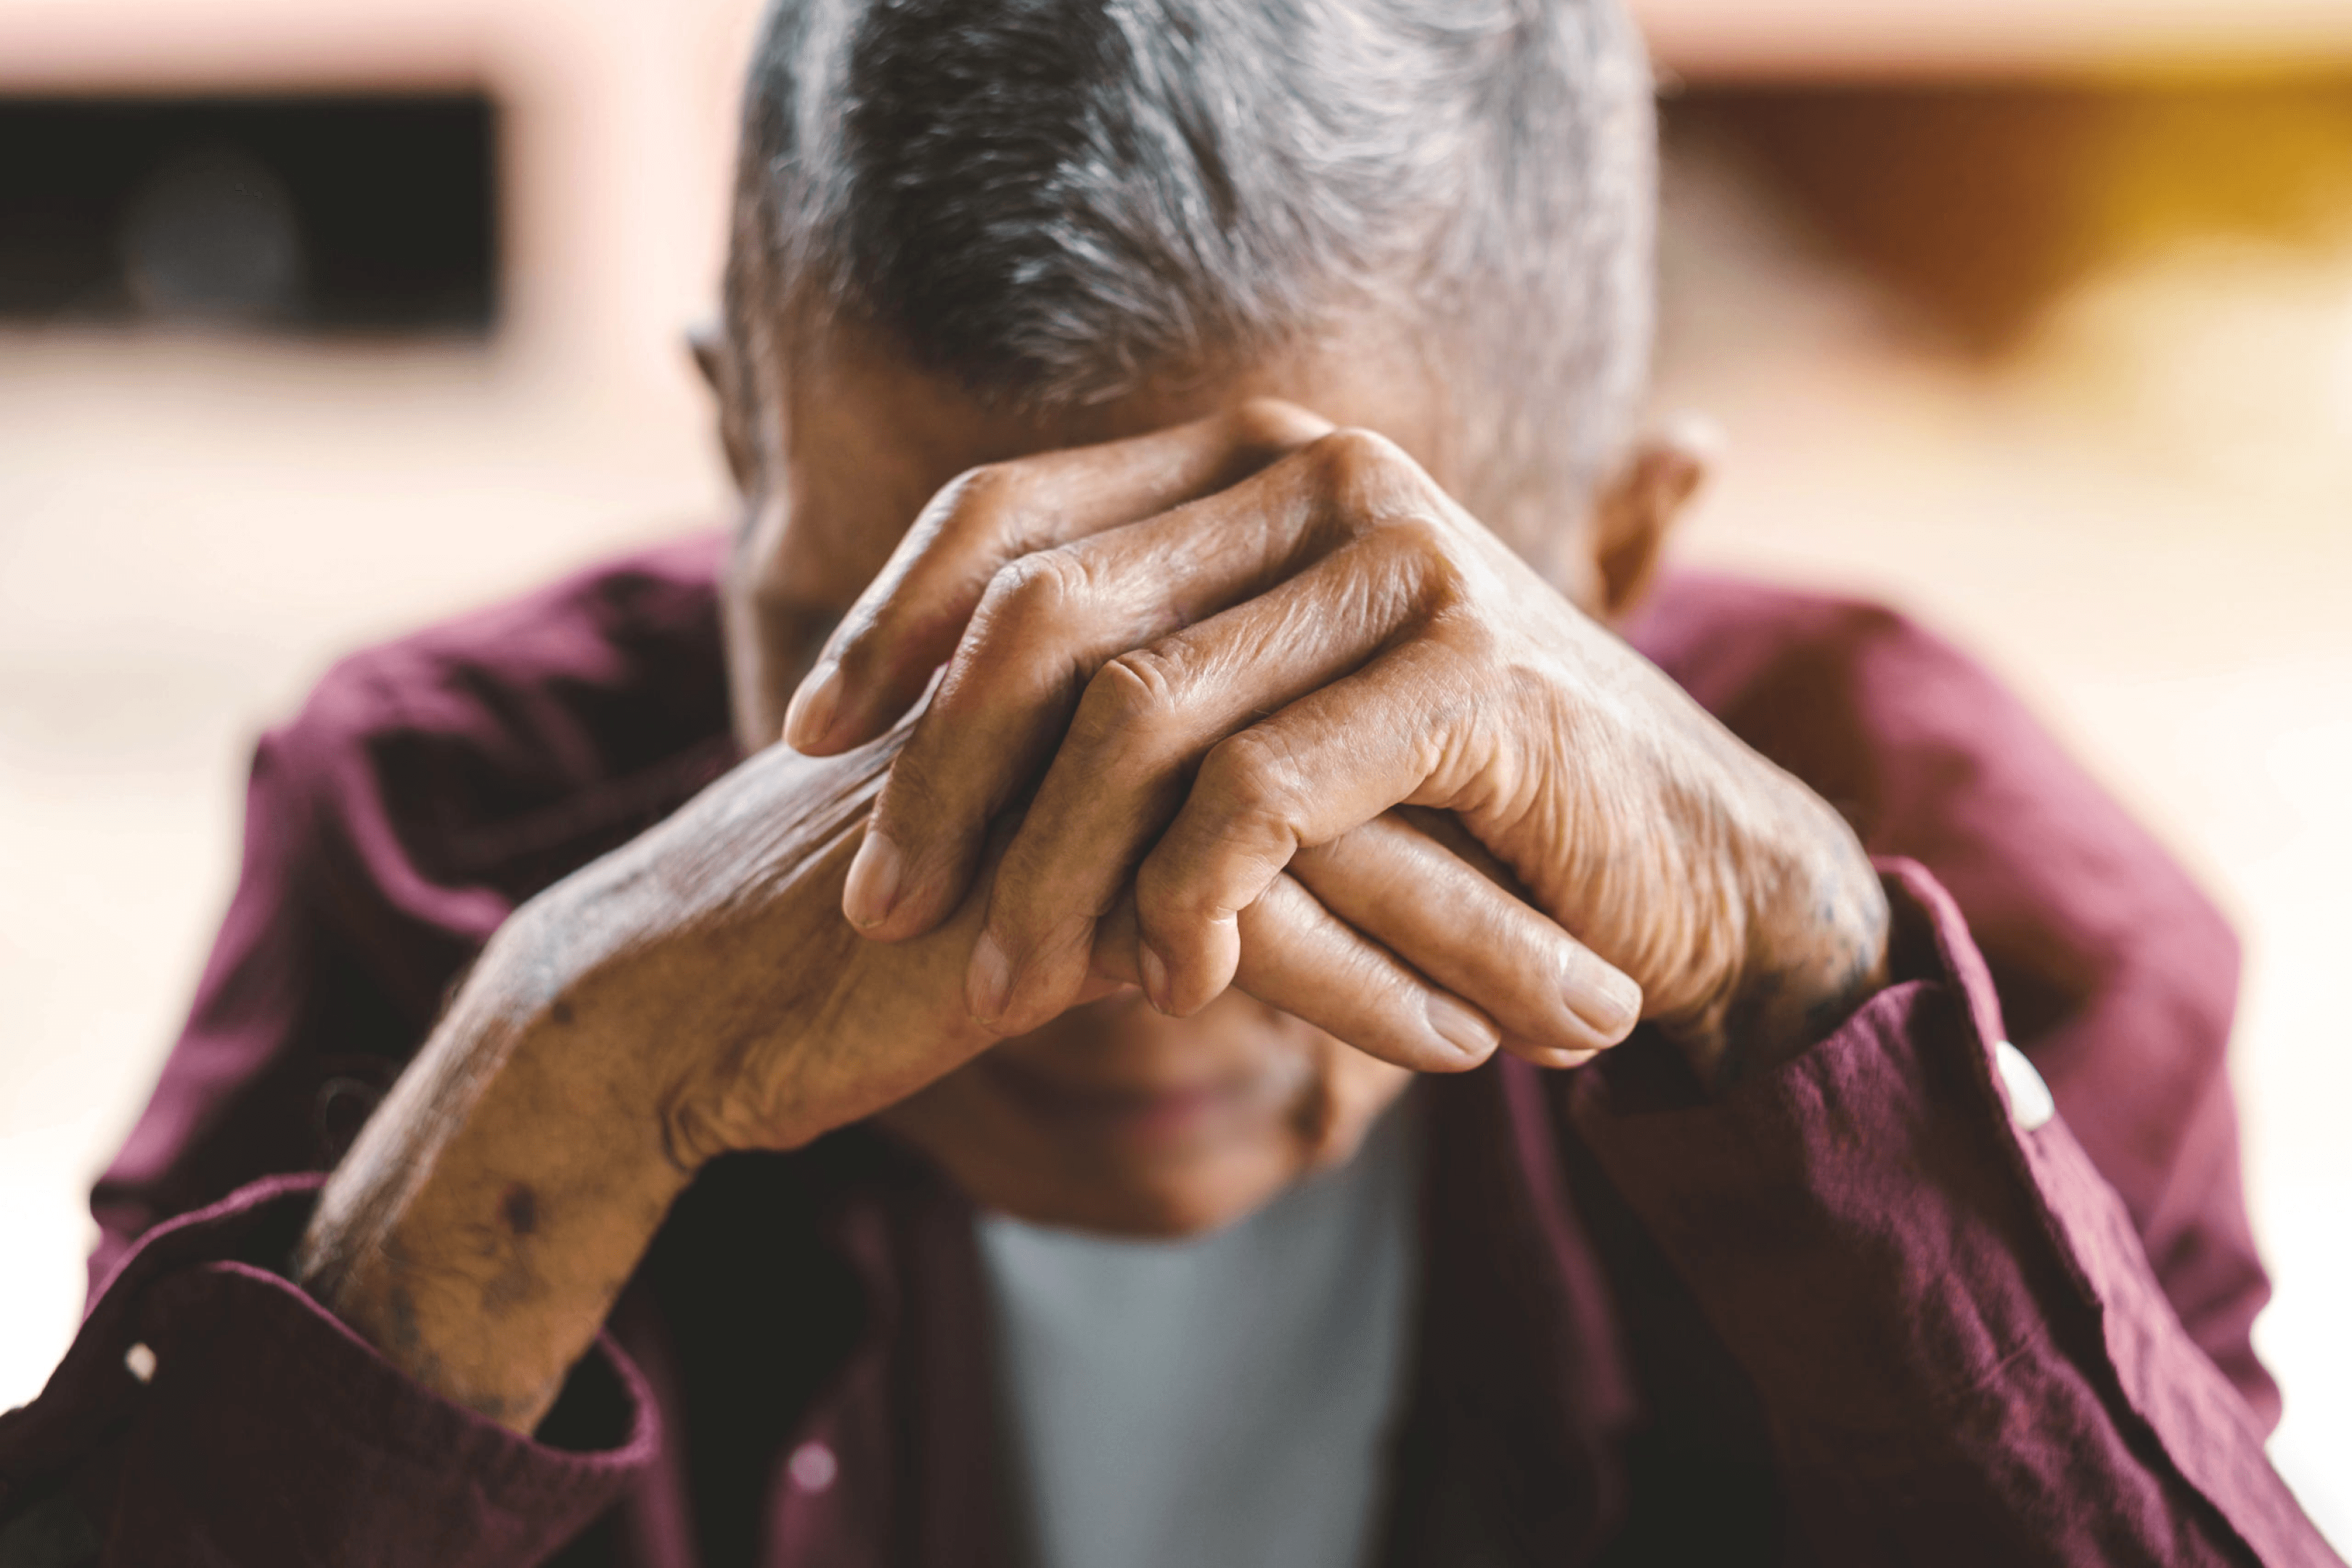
x=1981 y=203
x=212 y=235
x=375 y=212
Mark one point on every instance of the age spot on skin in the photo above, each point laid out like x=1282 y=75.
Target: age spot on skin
x=400 y=1319
x=519 y=1209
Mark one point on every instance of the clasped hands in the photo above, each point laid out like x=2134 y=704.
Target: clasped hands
x=1254 y=696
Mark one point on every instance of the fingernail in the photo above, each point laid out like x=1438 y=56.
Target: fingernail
x=1606 y=998
x=871 y=889
x=1155 y=975
x=1462 y=1028
x=991 y=977
x=808 y=717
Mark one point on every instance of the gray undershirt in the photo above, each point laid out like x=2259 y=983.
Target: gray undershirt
x=1216 y=1401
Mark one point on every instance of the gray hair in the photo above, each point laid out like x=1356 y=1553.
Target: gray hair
x=1055 y=202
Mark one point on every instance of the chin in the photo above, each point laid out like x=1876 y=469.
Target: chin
x=1083 y=1148
x=1152 y=1184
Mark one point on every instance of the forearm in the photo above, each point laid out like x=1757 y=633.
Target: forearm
x=666 y=1002
x=480 y=1230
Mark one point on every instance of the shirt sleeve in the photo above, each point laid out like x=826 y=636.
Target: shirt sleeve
x=325 y=976
x=1963 y=1353
x=211 y=1412
x=2118 y=976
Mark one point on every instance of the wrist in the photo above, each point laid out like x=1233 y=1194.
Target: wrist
x=1817 y=946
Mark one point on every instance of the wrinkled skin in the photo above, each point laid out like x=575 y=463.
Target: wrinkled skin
x=1240 y=705
x=1215 y=689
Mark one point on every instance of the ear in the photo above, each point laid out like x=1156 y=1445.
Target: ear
x=707 y=342
x=1641 y=502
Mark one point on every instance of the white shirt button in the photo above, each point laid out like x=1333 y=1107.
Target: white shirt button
x=139 y=1361
x=2029 y=1105
x=813 y=1466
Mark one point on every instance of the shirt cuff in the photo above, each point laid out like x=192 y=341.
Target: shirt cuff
x=208 y=1399
x=1922 y=1272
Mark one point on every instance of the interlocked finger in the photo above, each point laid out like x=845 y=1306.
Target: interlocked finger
x=1556 y=1001
x=1121 y=770
x=906 y=622
x=1046 y=629
x=1406 y=729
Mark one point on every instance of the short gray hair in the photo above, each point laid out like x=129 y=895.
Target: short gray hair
x=1054 y=202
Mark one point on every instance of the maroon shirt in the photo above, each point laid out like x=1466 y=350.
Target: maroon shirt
x=1853 y=1313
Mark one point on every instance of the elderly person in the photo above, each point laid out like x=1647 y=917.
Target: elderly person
x=1282 y=997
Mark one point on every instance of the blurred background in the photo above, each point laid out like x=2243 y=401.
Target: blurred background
x=2033 y=316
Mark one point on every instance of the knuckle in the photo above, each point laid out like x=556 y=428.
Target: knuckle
x=1037 y=593
x=1350 y=453
x=1362 y=471
x=1251 y=784
x=978 y=498
x=1136 y=694
x=1255 y=775
x=1266 y=427
x=976 y=511
x=1413 y=554
x=1419 y=537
